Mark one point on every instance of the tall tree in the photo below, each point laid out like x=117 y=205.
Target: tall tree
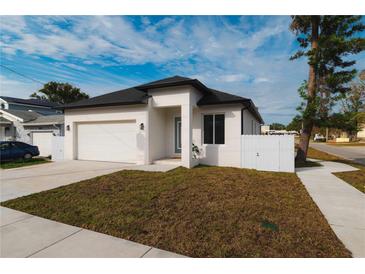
x=326 y=42
x=61 y=93
x=295 y=124
x=277 y=126
x=352 y=110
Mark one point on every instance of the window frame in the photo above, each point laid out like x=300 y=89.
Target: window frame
x=203 y=130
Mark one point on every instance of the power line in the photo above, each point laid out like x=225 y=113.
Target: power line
x=21 y=74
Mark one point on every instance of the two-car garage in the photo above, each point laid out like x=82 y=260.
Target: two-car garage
x=114 y=141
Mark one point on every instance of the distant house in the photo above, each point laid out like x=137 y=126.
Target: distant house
x=361 y=133
x=31 y=121
x=40 y=106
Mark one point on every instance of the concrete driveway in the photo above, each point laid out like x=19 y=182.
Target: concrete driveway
x=355 y=153
x=27 y=180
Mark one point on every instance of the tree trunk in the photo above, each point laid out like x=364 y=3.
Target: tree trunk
x=308 y=119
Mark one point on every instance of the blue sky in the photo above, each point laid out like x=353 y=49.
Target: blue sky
x=247 y=56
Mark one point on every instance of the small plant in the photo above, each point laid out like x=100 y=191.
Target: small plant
x=196 y=151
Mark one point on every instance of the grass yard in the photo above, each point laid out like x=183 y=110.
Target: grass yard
x=354 y=178
x=201 y=212
x=22 y=163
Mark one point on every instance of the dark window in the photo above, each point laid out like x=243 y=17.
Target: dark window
x=208 y=129
x=20 y=145
x=219 y=129
x=4 y=146
x=214 y=129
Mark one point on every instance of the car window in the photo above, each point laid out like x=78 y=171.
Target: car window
x=4 y=146
x=20 y=145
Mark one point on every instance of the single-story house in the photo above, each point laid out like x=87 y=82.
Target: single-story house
x=30 y=127
x=163 y=119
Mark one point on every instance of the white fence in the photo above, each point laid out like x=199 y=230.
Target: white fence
x=268 y=152
x=57 y=148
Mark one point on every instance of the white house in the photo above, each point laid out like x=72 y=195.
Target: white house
x=31 y=121
x=161 y=120
x=30 y=127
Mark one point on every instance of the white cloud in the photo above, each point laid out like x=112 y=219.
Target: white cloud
x=15 y=88
x=248 y=58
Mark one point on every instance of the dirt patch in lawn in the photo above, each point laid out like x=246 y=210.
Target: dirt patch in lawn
x=201 y=212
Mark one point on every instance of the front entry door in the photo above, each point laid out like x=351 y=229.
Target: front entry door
x=177 y=134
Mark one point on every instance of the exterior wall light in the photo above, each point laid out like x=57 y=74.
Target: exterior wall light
x=141 y=126
x=68 y=127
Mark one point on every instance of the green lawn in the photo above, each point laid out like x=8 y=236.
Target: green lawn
x=354 y=178
x=22 y=163
x=201 y=212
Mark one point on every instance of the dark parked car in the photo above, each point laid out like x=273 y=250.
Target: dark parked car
x=12 y=150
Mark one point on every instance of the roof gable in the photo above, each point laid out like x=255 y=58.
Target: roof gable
x=139 y=95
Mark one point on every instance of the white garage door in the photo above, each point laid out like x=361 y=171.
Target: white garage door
x=43 y=140
x=114 y=141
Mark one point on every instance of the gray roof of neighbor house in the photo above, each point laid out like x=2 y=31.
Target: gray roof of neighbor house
x=34 y=102
x=139 y=95
x=23 y=114
x=47 y=120
x=4 y=121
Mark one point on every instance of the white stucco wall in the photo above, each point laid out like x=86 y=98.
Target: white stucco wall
x=185 y=98
x=157 y=127
x=99 y=114
x=250 y=125
x=227 y=154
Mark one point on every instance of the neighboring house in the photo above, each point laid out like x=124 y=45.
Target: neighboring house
x=161 y=120
x=265 y=129
x=39 y=106
x=361 y=133
x=30 y=121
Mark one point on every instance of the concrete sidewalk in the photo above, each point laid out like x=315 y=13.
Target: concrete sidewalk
x=23 y=235
x=342 y=205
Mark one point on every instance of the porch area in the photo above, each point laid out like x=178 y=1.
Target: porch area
x=170 y=136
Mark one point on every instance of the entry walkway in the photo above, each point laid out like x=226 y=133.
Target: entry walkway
x=341 y=204
x=23 y=235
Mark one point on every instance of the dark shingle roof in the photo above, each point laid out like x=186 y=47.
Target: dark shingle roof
x=121 y=97
x=171 y=80
x=47 y=120
x=23 y=114
x=34 y=102
x=139 y=94
x=219 y=97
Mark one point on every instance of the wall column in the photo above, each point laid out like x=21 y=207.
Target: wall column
x=186 y=134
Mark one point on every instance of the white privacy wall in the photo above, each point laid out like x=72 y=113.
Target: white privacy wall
x=268 y=152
